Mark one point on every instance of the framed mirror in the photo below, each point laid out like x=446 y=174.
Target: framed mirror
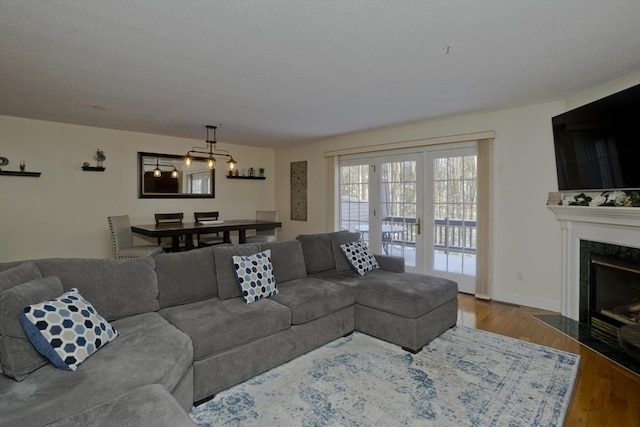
x=166 y=176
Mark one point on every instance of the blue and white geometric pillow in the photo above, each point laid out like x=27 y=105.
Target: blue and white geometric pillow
x=66 y=330
x=359 y=257
x=255 y=276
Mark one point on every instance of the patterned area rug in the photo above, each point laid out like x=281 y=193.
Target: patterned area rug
x=465 y=377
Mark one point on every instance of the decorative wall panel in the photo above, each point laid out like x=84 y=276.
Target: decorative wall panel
x=299 y=191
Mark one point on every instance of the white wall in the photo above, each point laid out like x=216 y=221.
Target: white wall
x=526 y=235
x=64 y=212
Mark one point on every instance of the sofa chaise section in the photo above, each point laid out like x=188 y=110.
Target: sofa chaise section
x=403 y=308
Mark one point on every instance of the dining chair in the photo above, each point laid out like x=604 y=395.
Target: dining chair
x=122 y=240
x=210 y=238
x=269 y=235
x=169 y=218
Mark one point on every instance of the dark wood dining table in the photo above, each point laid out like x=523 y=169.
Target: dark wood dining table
x=188 y=229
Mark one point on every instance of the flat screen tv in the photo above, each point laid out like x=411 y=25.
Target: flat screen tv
x=598 y=145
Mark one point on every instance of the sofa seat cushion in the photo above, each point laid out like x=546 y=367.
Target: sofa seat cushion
x=311 y=298
x=215 y=325
x=149 y=405
x=149 y=350
x=408 y=295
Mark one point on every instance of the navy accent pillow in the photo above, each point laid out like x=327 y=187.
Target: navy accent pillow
x=254 y=274
x=66 y=330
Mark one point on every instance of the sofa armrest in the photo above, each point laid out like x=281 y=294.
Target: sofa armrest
x=395 y=264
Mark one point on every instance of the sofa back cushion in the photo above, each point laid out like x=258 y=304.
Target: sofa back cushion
x=225 y=273
x=16 y=273
x=17 y=355
x=337 y=239
x=317 y=251
x=287 y=259
x=117 y=288
x=186 y=277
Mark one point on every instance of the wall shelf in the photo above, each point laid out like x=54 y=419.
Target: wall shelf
x=19 y=173
x=93 y=168
x=246 y=177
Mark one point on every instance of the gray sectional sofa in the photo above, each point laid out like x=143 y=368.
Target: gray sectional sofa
x=185 y=333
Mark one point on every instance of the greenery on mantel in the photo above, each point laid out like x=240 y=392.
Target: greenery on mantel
x=619 y=198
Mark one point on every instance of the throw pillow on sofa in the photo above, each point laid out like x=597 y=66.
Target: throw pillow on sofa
x=359 y=256
x=338 y=239
x=18 y=356
x=66 y=330
x=225 y=272
x=255 y=276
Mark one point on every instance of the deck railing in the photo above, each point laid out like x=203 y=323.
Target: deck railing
x=450 y=235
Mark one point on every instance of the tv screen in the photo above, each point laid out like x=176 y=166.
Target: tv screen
x=598 y=145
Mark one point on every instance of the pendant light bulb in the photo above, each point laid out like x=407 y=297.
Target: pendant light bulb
x=211 y=163
x=157 y=173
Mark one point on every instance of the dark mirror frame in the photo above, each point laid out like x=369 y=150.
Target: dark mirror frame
x=142 y=194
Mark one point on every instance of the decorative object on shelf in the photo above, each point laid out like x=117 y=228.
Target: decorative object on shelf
x=627 y=198
x=99 y=157
x=252 y=172
x=212 y=152
x=236 y=172
x=4 y=161
x=22 y=165
x=261 y=170
x=554 y=198
x=299 y=191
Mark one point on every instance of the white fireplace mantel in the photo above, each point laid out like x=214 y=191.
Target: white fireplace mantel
x=605 y=224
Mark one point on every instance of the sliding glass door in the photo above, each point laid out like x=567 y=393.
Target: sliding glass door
x=380 y=199
x=420 y=206
x=452 y=251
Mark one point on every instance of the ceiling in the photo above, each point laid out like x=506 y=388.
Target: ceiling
x=281 y=72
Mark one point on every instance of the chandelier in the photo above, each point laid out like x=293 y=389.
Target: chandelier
x=209 y=156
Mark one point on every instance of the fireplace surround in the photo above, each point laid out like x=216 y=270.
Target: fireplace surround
x=610 y=235
x=609 y=225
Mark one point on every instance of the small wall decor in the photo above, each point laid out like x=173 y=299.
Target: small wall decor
x=22 y=172
x=299 y=191
x=99 y=157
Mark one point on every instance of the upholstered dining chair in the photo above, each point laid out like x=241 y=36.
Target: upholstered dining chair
x=122 y=240
x=211 y=238
x=169 y=218
x=269 y=235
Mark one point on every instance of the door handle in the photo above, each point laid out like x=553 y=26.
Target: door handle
x=418 y=226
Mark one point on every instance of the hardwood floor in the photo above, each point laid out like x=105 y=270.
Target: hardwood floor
x=605 y=394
